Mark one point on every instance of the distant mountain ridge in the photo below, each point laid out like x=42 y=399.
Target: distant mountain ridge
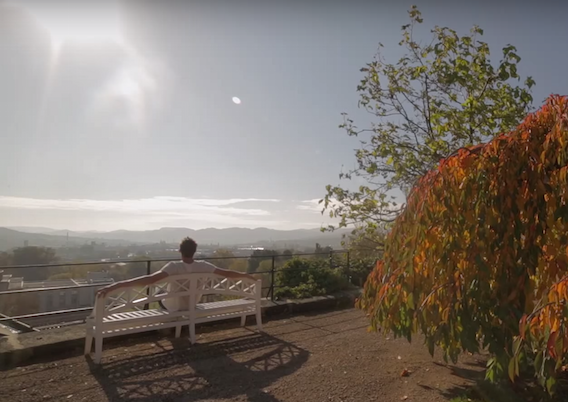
x=224 y=237
x=10 y=238
x=33 y=229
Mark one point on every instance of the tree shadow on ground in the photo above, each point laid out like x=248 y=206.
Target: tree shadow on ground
x=221 y=370
x=469 y=372
x=476 y=387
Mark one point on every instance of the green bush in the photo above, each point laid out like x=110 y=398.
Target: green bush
x=360 y=269
x=301 y=278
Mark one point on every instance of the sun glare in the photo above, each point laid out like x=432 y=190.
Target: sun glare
x=79 y=22
x=127 y=85
x=98 y=22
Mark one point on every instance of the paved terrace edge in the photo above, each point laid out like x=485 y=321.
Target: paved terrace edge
x=18 y=349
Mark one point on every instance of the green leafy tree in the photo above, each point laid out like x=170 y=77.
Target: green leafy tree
x=365 y=246
x=239 y=264
x=223 y=258
x=439 y=97
x=264 y=272
x=265 y=266
x=322 y=250
x=302 y=278
x=5 y=259
x=135 y=269
x=32 y=255
x=118 y=272
x=287 y=255
x=257 y=257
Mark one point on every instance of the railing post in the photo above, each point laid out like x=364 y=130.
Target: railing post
x=148 y=272
x=348 y=267
x=272 y=279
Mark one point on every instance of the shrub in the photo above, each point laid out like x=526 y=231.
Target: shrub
x=360 y=269
x=479 y=256
x=302 y=278
x=356 y=269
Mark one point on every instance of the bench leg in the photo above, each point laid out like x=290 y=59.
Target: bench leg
x=259 y=319
x=88 y=343
x=243 y=320
x=98 y=349
x=178 y=331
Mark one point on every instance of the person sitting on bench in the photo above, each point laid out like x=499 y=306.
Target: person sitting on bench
x=187 y=265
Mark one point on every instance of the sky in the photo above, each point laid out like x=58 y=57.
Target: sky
x=120 y=114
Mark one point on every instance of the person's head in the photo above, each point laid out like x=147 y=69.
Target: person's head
x=187 y=247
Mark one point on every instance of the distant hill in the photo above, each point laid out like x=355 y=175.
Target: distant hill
x=31 y=229
x=224 y=237
x=10 y=238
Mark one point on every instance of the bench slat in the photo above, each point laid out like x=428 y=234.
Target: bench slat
x=224 y=303
x=134 y=315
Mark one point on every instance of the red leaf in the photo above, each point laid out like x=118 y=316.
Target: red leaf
x=551 y=343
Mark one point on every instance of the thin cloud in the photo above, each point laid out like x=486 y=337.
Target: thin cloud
x=313 y=205
x=163 y=206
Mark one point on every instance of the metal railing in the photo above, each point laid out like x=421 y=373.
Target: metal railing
x=148 y=262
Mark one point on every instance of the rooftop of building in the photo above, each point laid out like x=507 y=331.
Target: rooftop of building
x=20 y=283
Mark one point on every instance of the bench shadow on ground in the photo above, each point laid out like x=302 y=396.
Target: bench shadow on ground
x=244 y=365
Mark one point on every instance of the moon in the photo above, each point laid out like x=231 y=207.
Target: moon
x=236 y=100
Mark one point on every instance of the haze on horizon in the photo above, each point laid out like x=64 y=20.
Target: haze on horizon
x=142 y=115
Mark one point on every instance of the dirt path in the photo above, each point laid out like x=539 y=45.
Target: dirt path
x=325 y=357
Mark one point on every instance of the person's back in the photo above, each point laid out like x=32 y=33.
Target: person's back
x=182 y=267
x=193 y=267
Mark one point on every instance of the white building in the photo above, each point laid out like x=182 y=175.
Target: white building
x=74 y=296
x=9 y=283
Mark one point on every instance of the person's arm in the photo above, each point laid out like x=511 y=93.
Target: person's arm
x=227 y=273
x=135 y=282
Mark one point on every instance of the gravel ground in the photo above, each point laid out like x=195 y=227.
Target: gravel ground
x=323 y=357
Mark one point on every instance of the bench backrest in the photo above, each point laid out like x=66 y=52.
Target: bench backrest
x=182 y=285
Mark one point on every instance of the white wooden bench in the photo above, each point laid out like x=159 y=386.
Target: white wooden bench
x=122 y=312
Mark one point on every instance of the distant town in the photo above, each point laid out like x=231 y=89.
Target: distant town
x=162 y=243
x=77 y=271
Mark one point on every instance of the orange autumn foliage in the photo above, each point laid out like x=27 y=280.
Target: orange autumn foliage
x=479 y=257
